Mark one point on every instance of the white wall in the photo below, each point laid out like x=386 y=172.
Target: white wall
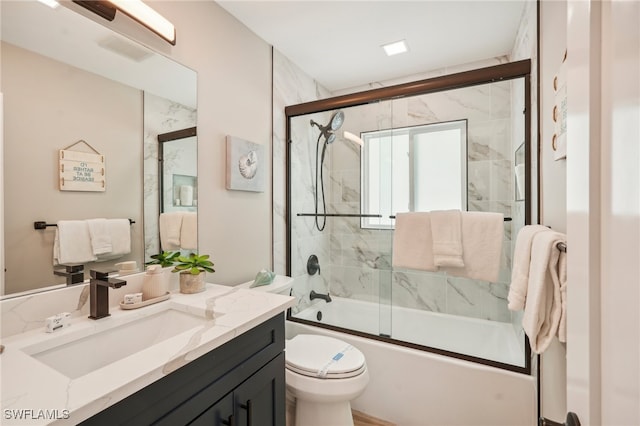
x=1 y=192
x=234 y=98
x=603 y=212
x=553 y=211
x=620 y=209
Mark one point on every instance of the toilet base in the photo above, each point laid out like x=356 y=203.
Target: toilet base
x=313 y=413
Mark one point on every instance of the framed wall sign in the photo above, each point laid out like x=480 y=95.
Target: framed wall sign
x=80 y=170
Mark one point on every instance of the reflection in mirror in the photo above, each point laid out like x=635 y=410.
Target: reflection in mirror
x=519 y=171
x=67 y=78
x=167 y=151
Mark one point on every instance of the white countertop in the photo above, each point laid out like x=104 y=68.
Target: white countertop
x=42 y=395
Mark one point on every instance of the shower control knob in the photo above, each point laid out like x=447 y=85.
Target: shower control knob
x=313 y=265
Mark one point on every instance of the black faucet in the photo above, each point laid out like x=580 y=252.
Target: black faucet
x=324 y=297
x=99 y=293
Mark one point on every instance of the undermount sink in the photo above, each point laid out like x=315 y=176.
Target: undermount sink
x=86 y=354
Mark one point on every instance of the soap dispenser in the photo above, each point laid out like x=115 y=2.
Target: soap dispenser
x=155 y=283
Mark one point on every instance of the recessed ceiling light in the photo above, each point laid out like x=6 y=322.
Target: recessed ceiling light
x=395 y=47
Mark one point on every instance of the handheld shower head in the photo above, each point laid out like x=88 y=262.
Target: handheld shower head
x=336 y=120
x=328 y=132
x=334 y=124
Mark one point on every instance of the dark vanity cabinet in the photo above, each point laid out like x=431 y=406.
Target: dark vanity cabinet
x=238 y=383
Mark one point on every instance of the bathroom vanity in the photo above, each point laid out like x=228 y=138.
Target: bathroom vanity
x=215 y=357
x=241 y=382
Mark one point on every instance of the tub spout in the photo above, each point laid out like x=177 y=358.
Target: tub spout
x=324 y=297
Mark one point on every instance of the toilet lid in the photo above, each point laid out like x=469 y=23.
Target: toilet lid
x=323 y=357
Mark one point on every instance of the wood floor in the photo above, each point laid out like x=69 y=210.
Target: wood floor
x=362 y=419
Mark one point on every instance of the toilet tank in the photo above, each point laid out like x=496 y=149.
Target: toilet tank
x=281 y=285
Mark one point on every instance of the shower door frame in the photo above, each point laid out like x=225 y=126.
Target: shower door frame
x=502 y=72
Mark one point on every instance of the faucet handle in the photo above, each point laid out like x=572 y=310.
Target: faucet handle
x=100 y=274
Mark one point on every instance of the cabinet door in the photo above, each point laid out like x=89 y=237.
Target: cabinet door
x=220 y=413
x=260 y=400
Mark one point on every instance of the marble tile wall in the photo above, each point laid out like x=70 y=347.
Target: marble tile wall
x=361 y=258
x=292 y=86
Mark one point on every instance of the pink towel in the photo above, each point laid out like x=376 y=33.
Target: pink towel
x=446 y=228
x=482 y=235
x=413 y=242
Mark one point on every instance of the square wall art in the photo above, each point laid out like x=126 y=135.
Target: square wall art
x=246 y=165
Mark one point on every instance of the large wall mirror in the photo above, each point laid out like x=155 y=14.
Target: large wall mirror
x=66 y=79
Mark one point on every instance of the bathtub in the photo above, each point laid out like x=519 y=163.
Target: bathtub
x=411 y=387
x=477 y=338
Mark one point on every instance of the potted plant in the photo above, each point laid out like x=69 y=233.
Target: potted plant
x=192 y=272
x=164 y=259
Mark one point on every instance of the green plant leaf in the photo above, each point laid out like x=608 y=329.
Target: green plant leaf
x=194 y=264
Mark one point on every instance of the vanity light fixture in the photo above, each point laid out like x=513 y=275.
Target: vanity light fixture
x=136 y=10
x=395 y=48
x=51 y=3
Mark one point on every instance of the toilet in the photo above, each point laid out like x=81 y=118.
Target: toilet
x=322 y=373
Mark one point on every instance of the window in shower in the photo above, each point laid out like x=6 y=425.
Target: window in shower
x=418 y=168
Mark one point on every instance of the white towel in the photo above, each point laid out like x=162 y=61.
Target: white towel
x=72 y=244
x=520 y=269
x=543 y=308
x=100 y=236
x=189 y=231
x=446 y=229
x=413 y=242
x=120 y=232
x=170 y=227
x=562 y=278
x=482 y=235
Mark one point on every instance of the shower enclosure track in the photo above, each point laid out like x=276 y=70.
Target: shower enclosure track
x=338 y=215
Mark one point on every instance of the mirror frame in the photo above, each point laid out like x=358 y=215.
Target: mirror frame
x=503 y=72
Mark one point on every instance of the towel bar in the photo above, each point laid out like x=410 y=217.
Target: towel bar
x=41 y=224
x=506 y=219
x=338 y=215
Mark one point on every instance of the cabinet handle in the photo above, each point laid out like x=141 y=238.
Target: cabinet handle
x=229 y=422
x=247 y=407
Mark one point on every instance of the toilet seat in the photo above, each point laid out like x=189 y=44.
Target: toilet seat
x=323 y=357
